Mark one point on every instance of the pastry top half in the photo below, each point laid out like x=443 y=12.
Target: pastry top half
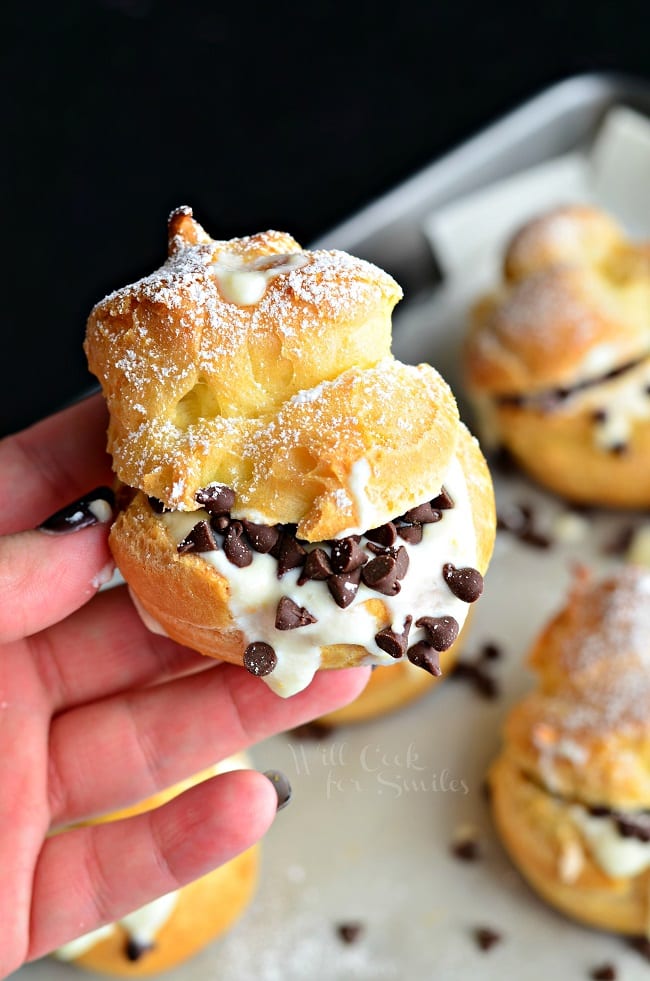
x=573 y=307
x=258 y=365
x=584 y=733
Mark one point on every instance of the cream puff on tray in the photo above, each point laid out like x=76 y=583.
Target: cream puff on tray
x=570 y=790
x=557 y=360
x=293 y=497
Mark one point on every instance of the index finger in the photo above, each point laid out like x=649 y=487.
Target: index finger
x=51 y=463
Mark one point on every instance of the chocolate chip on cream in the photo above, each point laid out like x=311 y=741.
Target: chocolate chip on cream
x=260 y=659
x=200 y=539
x=465 y=583
x=392 y=642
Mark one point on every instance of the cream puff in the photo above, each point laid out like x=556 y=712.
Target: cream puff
x=173 y=928
x=570 y=790
x=557 y=359
x=295 y=497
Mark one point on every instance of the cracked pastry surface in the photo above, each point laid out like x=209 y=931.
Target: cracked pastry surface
x=288 y=474
x=571 y=787
x=557 y=360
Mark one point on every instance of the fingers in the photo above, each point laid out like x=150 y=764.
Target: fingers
x=104 y=648
x=44 y=578
x=94 y=875
x=113 y=753
x=51 y=463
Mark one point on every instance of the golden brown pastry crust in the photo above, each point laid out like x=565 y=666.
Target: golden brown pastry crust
x=189 y=598
x=572 y=309
x=581 y=739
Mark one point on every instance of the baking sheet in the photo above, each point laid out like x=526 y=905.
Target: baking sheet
x=376 y=807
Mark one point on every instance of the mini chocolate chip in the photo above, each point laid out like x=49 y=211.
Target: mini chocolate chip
x=281 y=786
x=604 y=972
x=621 y=541
x=289 y=552
x=443 y=502
x=486 y=938
x=599 y=810
x=599 y=416
x=313 y=731
x=216 y=498
x=317 y=566
x=135 y=949
x=347 y=554
x=641 y=945
x=381 y=574
x=618 y=449
x=627 y=827
x=410 y=533
x=423 y=655
x=475 y=674
x=221 y=523
x=260 y=658
x=93 y=508
x=236 y=548
x=290 y=616
x=467 y=850
x=200 y=539
x=441 y=631
x=393 y=643
x=465 y=583
x=401 y=557
x=490 y=652
x=349 y=932
x=425 y=514
x=344 y=586
x=384 y=535
x=534 y=538
x=262 y=537
x=376 y=549
x=156 y=506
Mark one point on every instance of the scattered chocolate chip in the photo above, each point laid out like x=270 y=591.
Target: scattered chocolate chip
x=347 y=554
x=443 y=502
x=618 y=449
x=216 y=498
x=519 y=519
x=156 y=506
x=393 y=643
x=410 y=533
x=621 y=541
x=381 y=574
x=288 y=551
x=486 y=938
x=344 y=586
x=465 y=583
x=200 y=539
x=441 y=631
x=260 y=658
x=281 y=785
x=599 y=416
x=384 y=535
x=313 y=731
x=604 y=972
x=135 y=949
x=349 y=933
x=262 y=537
x=641 y=945
x=600 y=811
x=628 y=827
x=423 y=655
x=466 y=850
x=317 y=566
x=490 y=652
x=477 y=677
x=401 y=557
x=375 y=548
x=290 y=616
x=424 y=514
x=221 y=523
x=504 y=461
x=237 y=549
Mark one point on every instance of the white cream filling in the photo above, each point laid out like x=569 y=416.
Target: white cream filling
x=616 y=855
x=255 y=592
x=143 y=924
x=245 y=282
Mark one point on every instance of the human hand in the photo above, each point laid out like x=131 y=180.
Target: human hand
x=96 y=713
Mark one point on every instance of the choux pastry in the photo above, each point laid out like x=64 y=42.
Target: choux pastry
x=174 y=927
x=293 y=497
x=557 y=360
x=570 y=790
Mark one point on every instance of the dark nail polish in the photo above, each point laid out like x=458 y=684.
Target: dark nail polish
x=281 y=785
x=93 y=508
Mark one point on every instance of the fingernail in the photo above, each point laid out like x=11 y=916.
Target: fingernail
x=281 y=786
x=93 y=508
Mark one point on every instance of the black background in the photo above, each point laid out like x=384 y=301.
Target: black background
x=259 y=115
